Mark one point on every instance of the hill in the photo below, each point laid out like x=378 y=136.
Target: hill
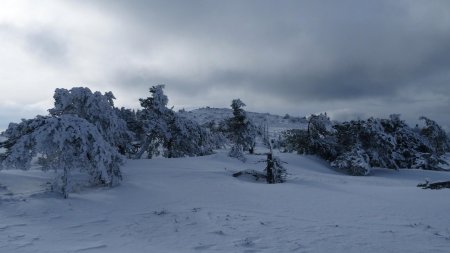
x=208 y=114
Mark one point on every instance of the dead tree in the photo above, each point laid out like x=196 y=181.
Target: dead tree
x=435 y=186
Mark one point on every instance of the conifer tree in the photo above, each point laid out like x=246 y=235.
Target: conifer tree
x=436 y=136
x=96 y=108
x=165 y=130
x=241 y=131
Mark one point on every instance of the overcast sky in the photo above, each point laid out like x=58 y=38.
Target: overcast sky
x=348 y=58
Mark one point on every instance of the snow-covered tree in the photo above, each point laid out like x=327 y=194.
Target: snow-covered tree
x=318 y=138
x=164 y=129
x=436 y=136
x=186 y=138
x=275 y=171
x=65 y=144
x=154 y=117
x=377 y=138
x=241 y=131
x=377 y=142
x=131 y=118
x=358 y=145
x=319 y=125
x=217 y=134
x=98 y=109
x=354 y=162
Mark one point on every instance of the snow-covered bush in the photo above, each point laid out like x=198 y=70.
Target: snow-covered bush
x=63 y=144
x=318 y=138
x=237 y=152
x=98 y=109
x=354 y=162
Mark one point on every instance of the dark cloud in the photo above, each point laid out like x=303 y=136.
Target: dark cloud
x=352 y=57
x=371 y=48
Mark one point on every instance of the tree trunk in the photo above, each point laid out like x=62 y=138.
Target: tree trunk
x=435 y=186
x=169 y=149
x=144 y=147
x=65 y=183
x=270 y=177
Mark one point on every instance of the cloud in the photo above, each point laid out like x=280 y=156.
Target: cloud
x=49 y=47
x=298 y=57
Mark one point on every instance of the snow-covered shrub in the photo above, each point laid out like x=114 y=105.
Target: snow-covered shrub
x=217 y=134
x=63 y=144
x=237 y=152
x=279 y=171
x=354 y=162
x=296 y=140
x=98 y=109
x=318 y=138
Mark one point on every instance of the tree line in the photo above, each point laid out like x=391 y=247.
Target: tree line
x=357 y=146
x=85 y=132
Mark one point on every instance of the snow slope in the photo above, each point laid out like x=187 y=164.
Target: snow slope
x=207 y=114
x=195 y=205
x=276 y=124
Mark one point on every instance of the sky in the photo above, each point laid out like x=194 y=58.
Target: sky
x=351 y=59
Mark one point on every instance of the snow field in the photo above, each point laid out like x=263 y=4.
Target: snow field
x=195 y=205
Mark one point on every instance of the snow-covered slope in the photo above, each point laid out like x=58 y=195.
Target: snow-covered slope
x=208 y=114
x=195 y=205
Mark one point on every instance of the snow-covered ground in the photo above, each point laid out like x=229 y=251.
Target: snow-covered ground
x=195 y=205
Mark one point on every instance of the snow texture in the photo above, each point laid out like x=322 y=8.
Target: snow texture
x=195 y=205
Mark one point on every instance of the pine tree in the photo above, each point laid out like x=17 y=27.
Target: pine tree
x=275 y=171
x=154 y=118
x=436 y=136
x=354 y=162
x=164 y=129
x=319 y=138
x=187 y=138
x=96 y=108
x=241 y=131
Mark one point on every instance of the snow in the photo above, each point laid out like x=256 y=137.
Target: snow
x=195 y=205
x=207 y=114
